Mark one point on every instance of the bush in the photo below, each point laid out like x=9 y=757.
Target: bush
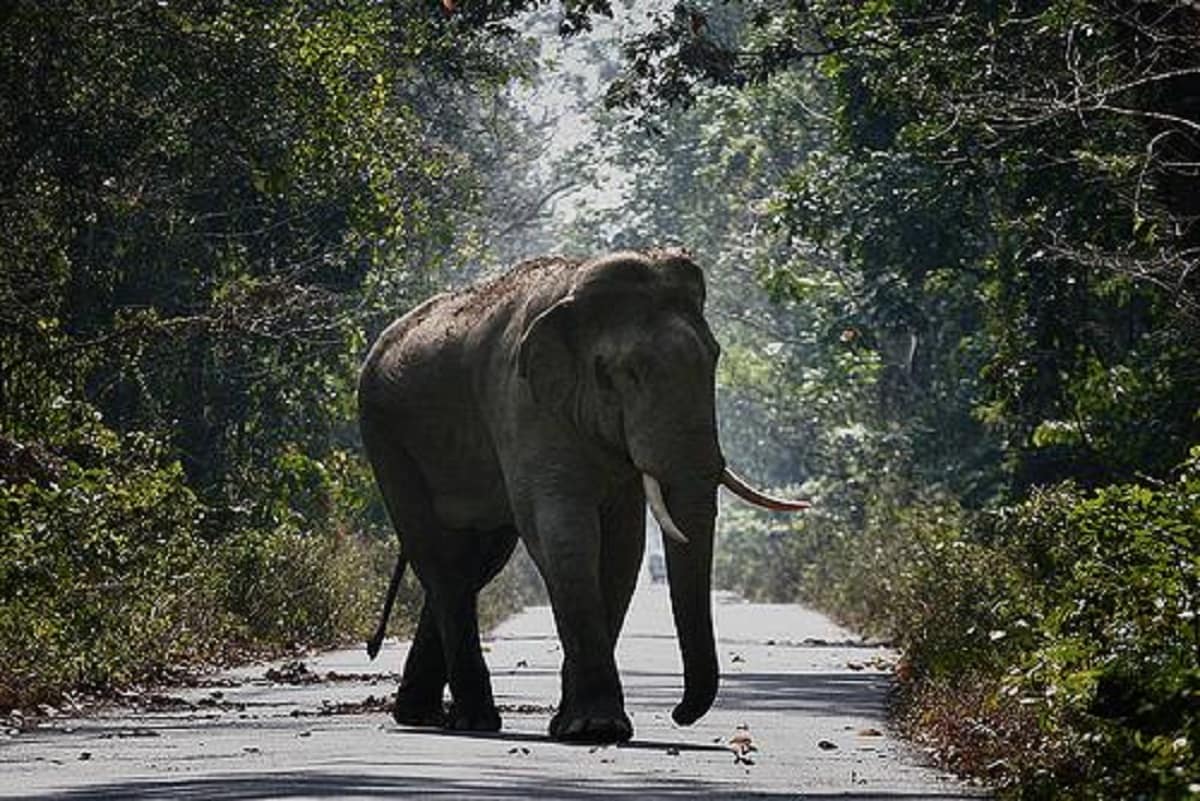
x=1114 y=668
x=296 y=588
x=111 y=574
x=103 y=579
x=114 y=573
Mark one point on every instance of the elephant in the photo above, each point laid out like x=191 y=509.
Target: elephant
x=551 y=404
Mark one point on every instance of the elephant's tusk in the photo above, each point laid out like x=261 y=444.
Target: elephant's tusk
x=658 y=508
x=747 y=493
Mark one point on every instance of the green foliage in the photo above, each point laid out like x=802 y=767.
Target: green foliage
x=1114 y=667
x=104 y=579
x=109 y=576
x=206 y=212
x=990 y=188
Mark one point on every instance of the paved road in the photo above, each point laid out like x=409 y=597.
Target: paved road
x=809 y=696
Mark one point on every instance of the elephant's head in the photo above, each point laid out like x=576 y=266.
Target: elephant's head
x=627 y=354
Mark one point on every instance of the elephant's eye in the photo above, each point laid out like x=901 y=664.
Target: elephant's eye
x=603 y=378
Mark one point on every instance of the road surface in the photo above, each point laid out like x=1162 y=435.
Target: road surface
x=802 y=700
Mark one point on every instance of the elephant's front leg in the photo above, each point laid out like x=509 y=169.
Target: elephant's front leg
x=592 y=707
x=623 y=527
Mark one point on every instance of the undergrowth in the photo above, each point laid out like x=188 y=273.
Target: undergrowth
x=113 y=573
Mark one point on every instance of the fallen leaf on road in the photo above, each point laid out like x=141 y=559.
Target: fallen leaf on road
x=737 y=658
x=742 y=745
x=160 y=702
x=84 y=756
x=291 y=673
x=826 y=745
x=527 y=709
x=672 y=751
x=870 y=733
x=369 y=678
x=372 y=703
x=125 y=733
x=856 y=665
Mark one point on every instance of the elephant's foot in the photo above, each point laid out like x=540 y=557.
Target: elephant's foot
x=418 y=709
x=473 y=719
x=591 y=727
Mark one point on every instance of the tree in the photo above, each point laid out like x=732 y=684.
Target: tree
x=1004 y=184
x=205 y=210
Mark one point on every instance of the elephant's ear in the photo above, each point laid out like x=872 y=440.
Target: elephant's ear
x=546 y=357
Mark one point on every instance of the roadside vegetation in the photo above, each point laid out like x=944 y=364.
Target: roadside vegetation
x=206 y=211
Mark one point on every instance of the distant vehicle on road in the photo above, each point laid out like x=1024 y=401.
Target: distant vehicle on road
x=657 y=566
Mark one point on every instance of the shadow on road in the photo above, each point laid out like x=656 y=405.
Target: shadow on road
x=544 y=739
x=861 y=695
x=235 y=787
x=822 y=694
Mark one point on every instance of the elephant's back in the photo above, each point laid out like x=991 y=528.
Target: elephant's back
x=547 y=275
x=399 y=361
x=433 y=352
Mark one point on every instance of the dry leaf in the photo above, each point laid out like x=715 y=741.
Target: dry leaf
x=741 y=744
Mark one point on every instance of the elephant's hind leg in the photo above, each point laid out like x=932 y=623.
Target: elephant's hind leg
x=452 y=566
x=482 y=556
x=419 y=696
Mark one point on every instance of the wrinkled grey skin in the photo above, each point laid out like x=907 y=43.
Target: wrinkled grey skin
x=529 y=407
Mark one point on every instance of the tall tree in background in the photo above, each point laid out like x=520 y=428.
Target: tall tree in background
x=196 y=195
x=1006 y=188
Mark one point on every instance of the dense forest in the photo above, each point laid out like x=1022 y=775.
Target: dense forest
x=952 y=252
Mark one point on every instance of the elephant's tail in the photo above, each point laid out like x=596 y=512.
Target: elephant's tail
x=376 y=641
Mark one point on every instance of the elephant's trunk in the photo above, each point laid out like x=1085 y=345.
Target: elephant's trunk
x=689 y=571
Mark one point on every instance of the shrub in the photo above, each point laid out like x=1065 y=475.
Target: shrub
x=289 y=587
x=111 y=573
x=1115 y=667
x=103 y=578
